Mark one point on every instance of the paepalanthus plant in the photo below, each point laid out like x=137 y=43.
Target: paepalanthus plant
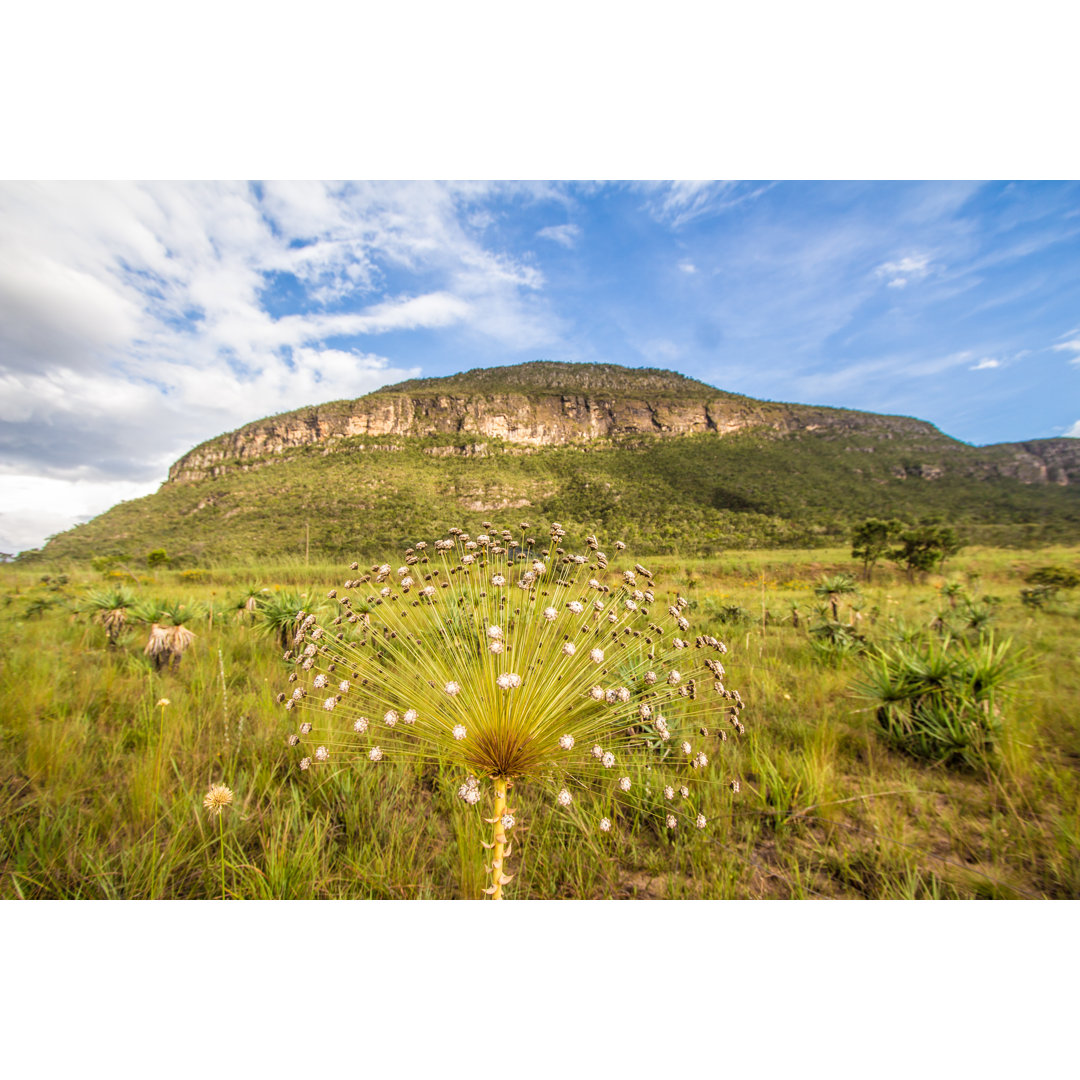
x=512 y=662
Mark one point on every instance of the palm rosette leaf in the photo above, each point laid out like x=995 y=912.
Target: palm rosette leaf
x=110 y=608
x=510 y=666
x=276 y=615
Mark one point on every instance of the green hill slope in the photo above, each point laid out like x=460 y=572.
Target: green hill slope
x=665 y=461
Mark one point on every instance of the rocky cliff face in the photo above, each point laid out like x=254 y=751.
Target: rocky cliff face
x=561 y=404
x=526 y=420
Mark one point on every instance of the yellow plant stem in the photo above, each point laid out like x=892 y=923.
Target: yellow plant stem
x=157 y=804
x=498 y=839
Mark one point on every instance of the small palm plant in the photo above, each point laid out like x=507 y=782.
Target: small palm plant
x=109 y=608
x=170 y=636
x=941 y=699
x=512 y=665
x=246 y=605
x=278 y=614
x=830 y=589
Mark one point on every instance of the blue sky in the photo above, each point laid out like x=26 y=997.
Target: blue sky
x=138 y=319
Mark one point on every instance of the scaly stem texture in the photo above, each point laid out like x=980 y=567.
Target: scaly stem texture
x=498 y=840
x=221 y=835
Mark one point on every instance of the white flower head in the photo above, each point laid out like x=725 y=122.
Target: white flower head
x=320 y=682
x=700 y=761
x=321 y=753
x=650 y=678
x=472 y=796
x=576 y=607
x=597 y=656
x=596 y=693
x=508 y=680
x=630 y=605
x=305 y=763
x=671 y=823
x=508 y=821
x=550 y=614
x=605 y=824
x=410 y=716
x=360 y=725
x=376 y=753
x=669 y=793
x=569 y=648
x=452 y=688
x=598 y=752
x=684 y=791
x=624 y=783
x=385 y=590
x=390 y=718
x=538 y=567
x=567 y=742
x=495 y=647
x=564 y=798
x=608 y=760
x=495 y=633
x=330 y=704
x=700 y=822
x=459 y=731
x=674 y=678
x=343 y=686
x=305 y=729
x=686 y=748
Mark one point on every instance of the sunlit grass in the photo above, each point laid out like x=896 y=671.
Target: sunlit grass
x=826 y=806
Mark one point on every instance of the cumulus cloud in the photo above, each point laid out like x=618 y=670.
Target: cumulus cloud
x=1074 y=431
x=910 y=268
x=566 y=235
x=139 y=319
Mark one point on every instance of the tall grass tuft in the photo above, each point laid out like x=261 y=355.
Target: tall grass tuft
x=940 y=700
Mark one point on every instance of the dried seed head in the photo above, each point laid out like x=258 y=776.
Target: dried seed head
x=217 y=798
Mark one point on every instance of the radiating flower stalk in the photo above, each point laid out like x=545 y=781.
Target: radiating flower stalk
x=217 y=798
x=511 y=662
x=161 y=704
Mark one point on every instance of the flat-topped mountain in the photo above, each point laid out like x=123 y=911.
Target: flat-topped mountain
x=674 y=463
x=537 y=404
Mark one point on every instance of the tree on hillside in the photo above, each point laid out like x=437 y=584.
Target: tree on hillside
x=871 y=540
x=925 y=548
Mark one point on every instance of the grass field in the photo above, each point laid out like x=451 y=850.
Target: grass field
x=101 y=789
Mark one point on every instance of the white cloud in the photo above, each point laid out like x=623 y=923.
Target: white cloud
x=139 y=319
x=687 y=267
x=985 y=363
x=35 y=507
x=1074 y=431
x=677 y=203
x=1072 y=346
x=566 y=235
x=909 y=268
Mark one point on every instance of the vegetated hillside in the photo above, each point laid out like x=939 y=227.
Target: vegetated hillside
x=665 y=461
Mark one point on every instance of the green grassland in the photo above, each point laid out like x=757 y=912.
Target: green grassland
x=692 y=496
x=101 y=792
